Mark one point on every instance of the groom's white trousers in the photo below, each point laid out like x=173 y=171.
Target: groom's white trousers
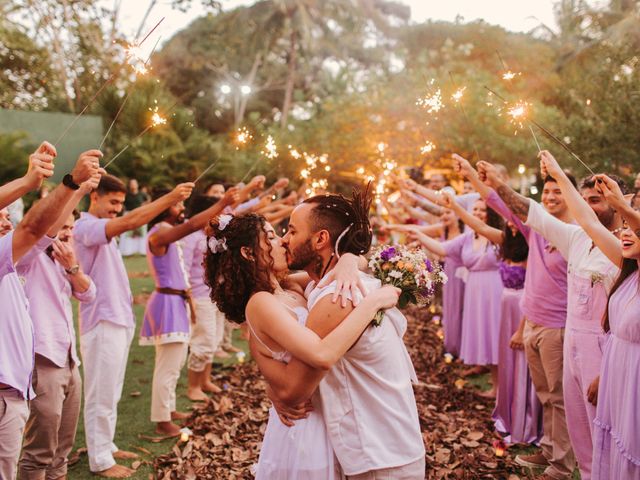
x=412 y=471
x=105 y=350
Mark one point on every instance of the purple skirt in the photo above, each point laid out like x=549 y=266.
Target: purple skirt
x=166 y=320
x=518 y=413
x=481 y=318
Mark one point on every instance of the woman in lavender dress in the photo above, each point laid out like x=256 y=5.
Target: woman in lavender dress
x=449 y=227
x=517 y=414
x=483 y=289
x=168 y=314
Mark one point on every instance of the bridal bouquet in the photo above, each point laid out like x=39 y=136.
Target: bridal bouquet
x=410 y=270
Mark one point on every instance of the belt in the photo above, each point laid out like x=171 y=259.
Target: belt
x=185 y=294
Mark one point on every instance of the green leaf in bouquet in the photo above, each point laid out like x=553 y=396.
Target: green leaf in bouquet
x=404 y=299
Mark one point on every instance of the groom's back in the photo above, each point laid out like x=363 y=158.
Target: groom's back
x=367 y=398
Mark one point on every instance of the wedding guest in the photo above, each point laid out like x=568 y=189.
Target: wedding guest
x=616 y=449
x=591 y=273
x=482 y=293
x=17 y=343
x=133 y=242
x=51 y=277
x=204 y=338
x=170 y=307
x=518 y=413
x=544 y=306
x=107 y=324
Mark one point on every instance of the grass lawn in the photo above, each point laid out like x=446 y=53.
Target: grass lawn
x=134 y=408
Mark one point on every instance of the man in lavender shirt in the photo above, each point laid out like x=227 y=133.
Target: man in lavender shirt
x=544 y=305
x=51 y=277
x=107 y=323
x=16 y=342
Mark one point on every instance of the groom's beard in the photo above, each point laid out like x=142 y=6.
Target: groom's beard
x=304 y=256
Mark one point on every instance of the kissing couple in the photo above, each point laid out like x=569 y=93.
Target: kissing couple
x=343 y=403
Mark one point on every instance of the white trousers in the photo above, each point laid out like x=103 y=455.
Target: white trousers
x=104 y=350
x=14 y=411
x=205 y=339
x=170 y=358
x=411 y=471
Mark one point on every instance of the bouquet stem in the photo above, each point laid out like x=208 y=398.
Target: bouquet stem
x=377 y=320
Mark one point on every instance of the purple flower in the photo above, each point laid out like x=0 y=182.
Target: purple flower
x=428 y=264
x=388 y=253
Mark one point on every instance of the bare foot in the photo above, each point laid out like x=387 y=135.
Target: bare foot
x=179 y=415
x=196 y=395
x=233 y=348
x=169 y=429
x=116 y=471
x=488 y=394
x=124 y=455
x=211 y=387
x=222 y=354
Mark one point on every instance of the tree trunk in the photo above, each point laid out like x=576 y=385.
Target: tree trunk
x=251 y=82
x=291 y=78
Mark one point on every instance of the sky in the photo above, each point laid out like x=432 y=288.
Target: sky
x=514 y=15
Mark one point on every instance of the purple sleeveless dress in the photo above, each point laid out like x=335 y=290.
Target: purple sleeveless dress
x=166 y=318
x=518 y=413
x=452 y=304
x=616 y=442
x=482 y=298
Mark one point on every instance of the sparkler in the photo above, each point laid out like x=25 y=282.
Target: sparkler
x=102 y=87
x=205 y=171
x=428 y=147
x=243 y=135
x=432 y=103
x=508 y=75
x=270 y=151
x=459 y=92
x=156 y=119
x=549 y=134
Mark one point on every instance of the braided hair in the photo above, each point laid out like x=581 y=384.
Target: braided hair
x=346 y=220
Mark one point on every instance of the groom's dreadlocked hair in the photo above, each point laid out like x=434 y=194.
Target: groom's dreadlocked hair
x=347 y=221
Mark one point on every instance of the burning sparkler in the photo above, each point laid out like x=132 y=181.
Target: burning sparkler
x=270 y=149
x=517 y=113
x=243 y=136
x=432 y=103
x=458 y=94
x=428 y=147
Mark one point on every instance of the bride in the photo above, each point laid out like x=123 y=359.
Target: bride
x=246 y=268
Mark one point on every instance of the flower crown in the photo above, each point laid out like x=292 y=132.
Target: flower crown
x=218 y=245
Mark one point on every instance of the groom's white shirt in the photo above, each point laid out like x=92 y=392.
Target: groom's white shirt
x=366 y=398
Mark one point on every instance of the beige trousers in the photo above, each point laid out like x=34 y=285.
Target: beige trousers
x=412 y=471
x=543 y=347
x=227 y=337
x=170 y=358
x=51 y=428
x=204 y=340
x=14 y=411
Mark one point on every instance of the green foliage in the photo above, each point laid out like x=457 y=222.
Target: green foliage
x=14 y=155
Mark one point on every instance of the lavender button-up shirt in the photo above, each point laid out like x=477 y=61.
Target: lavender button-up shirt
x=48 y=291
x=16 y=341
x=101 y=260
x=194 y=246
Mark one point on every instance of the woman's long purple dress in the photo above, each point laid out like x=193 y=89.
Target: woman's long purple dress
x=452 y=305
x=518 y=413
x=616 y=443
x=482 y=296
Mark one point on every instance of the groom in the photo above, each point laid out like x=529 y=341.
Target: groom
x=366 y=398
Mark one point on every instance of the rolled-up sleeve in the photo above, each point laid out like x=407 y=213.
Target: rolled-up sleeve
x=89 y=295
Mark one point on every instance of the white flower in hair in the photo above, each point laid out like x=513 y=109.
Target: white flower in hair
x=223 y=221
x=217 y=246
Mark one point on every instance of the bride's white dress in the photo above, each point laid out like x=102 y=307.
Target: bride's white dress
x=301 y=452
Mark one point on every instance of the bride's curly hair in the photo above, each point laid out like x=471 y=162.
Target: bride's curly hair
x=232 y=277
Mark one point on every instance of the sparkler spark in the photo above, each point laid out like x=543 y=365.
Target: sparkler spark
x=509 y=75
x=243 y=136
x=458 y=94
x=518 y=112
x=432 y=103
x=270 y=149
x=428 y=147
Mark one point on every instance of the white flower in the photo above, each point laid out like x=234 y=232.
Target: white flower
x=223 y=221
x=395 y=274
x=217 y=246
x=443 y=277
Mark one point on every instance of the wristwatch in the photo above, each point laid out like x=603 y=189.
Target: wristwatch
x=73 y=270
x=67 y=181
